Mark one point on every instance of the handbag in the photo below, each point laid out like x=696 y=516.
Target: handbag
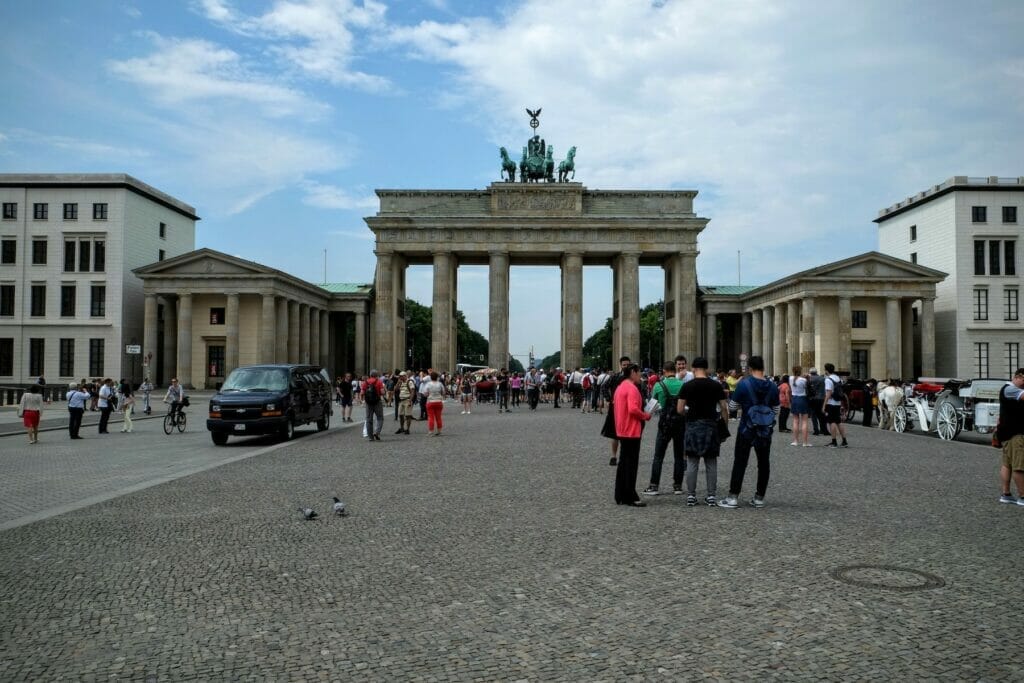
x=723 y=430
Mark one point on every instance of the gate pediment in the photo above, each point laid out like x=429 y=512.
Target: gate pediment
x=561 y=199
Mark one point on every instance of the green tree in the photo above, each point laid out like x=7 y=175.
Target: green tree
x=597 y=350
x=418 y=333
x=552 y=361
x=472 y=347
x=515 y=366
x=652 y=335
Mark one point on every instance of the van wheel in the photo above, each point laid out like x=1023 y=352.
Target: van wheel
x=219 y=438
x=324 y=423
x=288 y=431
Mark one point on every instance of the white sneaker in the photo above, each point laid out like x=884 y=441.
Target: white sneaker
x=729 y=502
x=794 y=444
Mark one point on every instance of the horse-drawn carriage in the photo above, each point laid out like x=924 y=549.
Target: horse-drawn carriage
x=949 y=406
x=856 y=399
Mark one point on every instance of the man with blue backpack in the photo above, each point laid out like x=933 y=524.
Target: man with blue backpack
x=758 y=400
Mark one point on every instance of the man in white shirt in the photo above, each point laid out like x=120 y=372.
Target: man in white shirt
x=833 y=412
x=106 y=393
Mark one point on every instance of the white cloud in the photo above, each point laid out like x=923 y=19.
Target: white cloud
x=313 y=36
x=82 y=148
x=365 y=234
x=181 y=71
x=131 y=11
x=332 y=197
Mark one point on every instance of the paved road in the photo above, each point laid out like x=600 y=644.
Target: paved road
x=495 y=553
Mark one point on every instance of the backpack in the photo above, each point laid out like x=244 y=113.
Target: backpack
x=669 y=421
x=586 y=381
x=761 y=418
x=371 y=395
x=837 y=390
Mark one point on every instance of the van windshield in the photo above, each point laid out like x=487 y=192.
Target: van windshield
x=256 y=379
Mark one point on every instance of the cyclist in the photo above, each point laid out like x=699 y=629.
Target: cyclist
x=175 y=395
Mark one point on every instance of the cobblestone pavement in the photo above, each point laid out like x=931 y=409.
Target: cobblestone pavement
x=496 y=553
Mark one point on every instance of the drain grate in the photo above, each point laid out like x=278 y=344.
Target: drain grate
x=887 y=577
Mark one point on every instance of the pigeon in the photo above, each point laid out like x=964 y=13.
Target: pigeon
x=339 y=508
x=308 y=513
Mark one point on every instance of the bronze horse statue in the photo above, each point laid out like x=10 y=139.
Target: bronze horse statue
x=508 y=167
x=568 y=166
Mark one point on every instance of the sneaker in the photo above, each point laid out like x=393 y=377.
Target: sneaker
x=677 y=491
x=376 y=437
x=400 y=431
x=1020 y=501
x=794 y=444
x=691 y=501
x=729 y=502
x=1007 y=498
x=651 y=491
x=832 y=444
x=844 y=445
x=711 y=501
x=613 y=462
x=463 y=412
x=807 y=445
x=757 y=502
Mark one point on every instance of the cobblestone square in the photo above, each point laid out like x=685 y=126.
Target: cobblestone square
x=496 y=553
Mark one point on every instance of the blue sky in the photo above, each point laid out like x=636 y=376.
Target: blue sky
x=796 y=121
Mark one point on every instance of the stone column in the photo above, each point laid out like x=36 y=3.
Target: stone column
x=711 y=341
x=845 y=321
x=779 y=340
x=907 y=336
x=360 y=343
x=927 y=322
x=572 y=311
x=629 y=306
x=498 y=273
x=767 y=334
x=281 y=352
x=893 y=327
x=746 y=336
x=170 y=354
x=792 y=335
x=185 y=340
x=150 y=324
x=687 y=316
x=303 y=356
x=756 y=344
x=293 y=331
x=442 y=315
x=268 y=327
x=314 y=336
x=324 y=359
x=807 y=334
x=384 y=313
x=231 y=334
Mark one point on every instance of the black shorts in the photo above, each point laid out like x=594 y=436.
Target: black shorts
x=832 y=414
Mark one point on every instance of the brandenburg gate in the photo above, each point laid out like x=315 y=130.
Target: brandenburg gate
x=535 y=223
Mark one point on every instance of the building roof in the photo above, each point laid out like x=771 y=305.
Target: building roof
x=728 y=290
x=103 y=180
x=958 y=182
x=345 y=287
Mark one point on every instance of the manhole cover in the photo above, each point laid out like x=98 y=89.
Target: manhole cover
x=886 y=577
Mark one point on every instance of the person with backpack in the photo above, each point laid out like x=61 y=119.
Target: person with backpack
x=703 y=402
x=405 y=392
x=757 y=399
x=671 y=428
x=373 y=393
x=834 y=395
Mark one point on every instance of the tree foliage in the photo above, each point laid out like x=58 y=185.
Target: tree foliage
x=552 y=361
x=472 y=346
x=597 y=350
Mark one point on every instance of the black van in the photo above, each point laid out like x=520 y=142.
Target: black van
x=270 y=399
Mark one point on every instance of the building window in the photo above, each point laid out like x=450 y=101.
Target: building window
x=981 y=304
x=1010 y=215
x=99 y=212
x=1012 y=357
x=36 y=353
x=38 y=301
x=163 y=231
x=1010 y=257
x=993 y=257
x=71 y=212
x=40 y=212
x=979 y=214
x=859 y=363
x=6 y=357
x=1010 y=301
x=913 y=233
x=69 y=256
x=215 y=360
x=860 y=319
x=216 y=316
x=98 y=301
x=67 y=301
x=38 y=252
x=95 y=357
x=99 y=256
x=979 y=257
x=913 y=257
x=981 y=359
x=6 y=301
x=67 y=357
x=84 y=256
x=10 y=211
x=161 y=255
x=8 y=252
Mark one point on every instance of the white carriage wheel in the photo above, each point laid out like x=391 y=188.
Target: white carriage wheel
x=899 y=417
x=947 y=422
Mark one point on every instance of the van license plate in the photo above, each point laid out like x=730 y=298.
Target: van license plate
x=239 y=428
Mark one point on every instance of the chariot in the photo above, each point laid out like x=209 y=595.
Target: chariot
x=950 y=406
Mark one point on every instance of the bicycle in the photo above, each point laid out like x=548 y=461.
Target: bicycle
x=175 y=418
